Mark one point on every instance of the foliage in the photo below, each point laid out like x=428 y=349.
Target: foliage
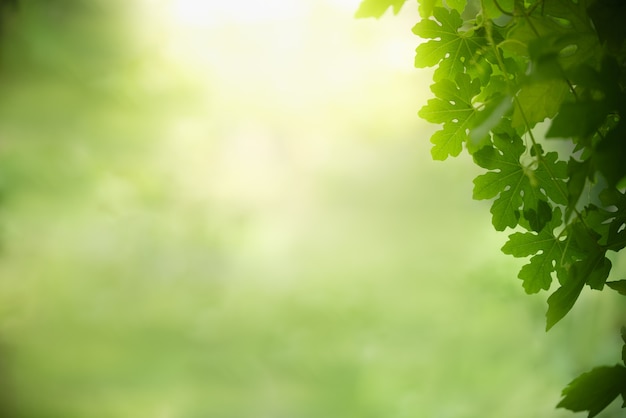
x=505 y=72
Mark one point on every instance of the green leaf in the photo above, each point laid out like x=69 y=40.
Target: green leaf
x=537 y=101
x=608 y=17
x=490 y=117
x=453 y=107
x=491 y=11
x=619 y=286
x=579 y=173
x=610 y=154
x=593 y=270
x=519 y=187
x=559 y=27
x=538 y=218
x=376 y=8
x=426 y=7
x=451 y=48
x=597 y=277
x=615 y=218
x=579 y=119
x=547 y=252
x=595 y=390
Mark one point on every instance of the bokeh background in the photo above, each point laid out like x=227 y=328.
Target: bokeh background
x=228 y=210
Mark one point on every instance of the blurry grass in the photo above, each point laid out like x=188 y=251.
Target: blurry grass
x=211 y=248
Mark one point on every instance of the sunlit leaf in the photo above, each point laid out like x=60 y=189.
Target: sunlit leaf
x=453 y=107
x=376 y=8
x=450 y=47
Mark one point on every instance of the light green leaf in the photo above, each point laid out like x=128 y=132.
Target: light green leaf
x=490 y=117
x=453 y=107
x=376 y=8
x=451 y=48
x=426 y=7
x=491 y=10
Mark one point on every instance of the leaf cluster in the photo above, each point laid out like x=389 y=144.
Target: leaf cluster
x=511 y=79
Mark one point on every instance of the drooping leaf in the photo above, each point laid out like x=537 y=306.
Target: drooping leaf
x=449 y=46
x=593 y=269
x=376 y=8
x=595 y=390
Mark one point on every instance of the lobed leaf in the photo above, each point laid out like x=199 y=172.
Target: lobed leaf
x=547 y=250
x=451 y=48
x=453 y=107
x=519 y=187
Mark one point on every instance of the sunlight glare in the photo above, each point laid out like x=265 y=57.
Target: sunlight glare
x=200 y=13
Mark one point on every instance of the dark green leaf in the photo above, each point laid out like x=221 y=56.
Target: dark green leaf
x=619 y=286
x=553 y=27
x=579 y=173
x=537 y=101
x=614 y=218
x=580 y=119
x=539 y=217
x=611 y=153
x=547 y=251
x=593 y=270
x=519 y=187
x=595 y=390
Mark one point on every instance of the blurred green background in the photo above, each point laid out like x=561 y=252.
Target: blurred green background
x=228 y=210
